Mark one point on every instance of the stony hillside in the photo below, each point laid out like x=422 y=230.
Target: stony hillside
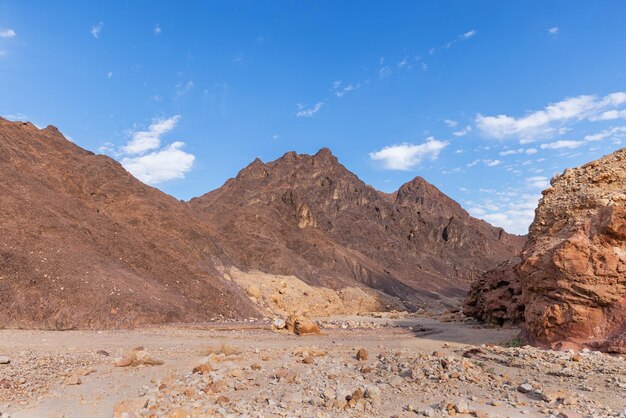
x=309 y=217
x=83 y=244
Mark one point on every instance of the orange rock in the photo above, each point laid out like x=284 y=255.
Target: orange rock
x=302 y=327
x=203 y=368
x=130 y=408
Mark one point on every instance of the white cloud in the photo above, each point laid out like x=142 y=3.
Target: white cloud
x=143 y=156
x=469 y=34
x=143 y=141
x=109 y=74
x=407 y=156
x=540 y=124
x=512 y=210
x=611 y=115
x=492 y=163
x=183 y=88
x=404 y=63
x=166 y=164
x=451 y=123
x=384 y=71
x=538 y=181
x=553 y=30
x=340 y=91
x=96 y=29
x=487 y=162
x=518 y=151
x=463 y=132
x=462 y=37
x=562 y=144
x=157 y=29
x=615 y=132
x=308 y=112
x=7 y=33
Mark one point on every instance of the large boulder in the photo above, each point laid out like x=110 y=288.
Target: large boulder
x=573 y=270
x=496 y=297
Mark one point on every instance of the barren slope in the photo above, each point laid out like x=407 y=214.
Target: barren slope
x=83 y=244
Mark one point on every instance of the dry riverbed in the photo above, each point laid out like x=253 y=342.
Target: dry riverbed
x=406 y=367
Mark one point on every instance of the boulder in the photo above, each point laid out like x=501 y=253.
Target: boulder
x=573 y=270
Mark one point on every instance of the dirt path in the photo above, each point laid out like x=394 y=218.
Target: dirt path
x=415 y=366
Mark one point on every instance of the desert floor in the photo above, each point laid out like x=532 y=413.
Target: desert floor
x=415 y=366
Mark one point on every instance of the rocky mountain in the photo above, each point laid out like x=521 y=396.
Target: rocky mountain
x=83 y=244
x=572 y=274
x=308 y=216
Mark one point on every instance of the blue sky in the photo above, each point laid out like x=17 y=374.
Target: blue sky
x=486 y=100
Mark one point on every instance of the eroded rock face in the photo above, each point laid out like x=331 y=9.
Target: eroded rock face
x=496 y=298
x=573 y=270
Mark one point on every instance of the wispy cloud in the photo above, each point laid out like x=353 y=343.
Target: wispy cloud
x=341 y=90
x=615 y=132
x=96 y=29
x=512 y=209
x=553 y=30
x=384 y=71
x=183 y=88
x=460 y=38
x=157 y=29
x=305 y=112
x=451 y=123
x=486 y=161
x=562 y=144
x=545 y=123
x=539 y=182
x=463 y=131
x=407 y=156
x=518 y=151
x=7 y=33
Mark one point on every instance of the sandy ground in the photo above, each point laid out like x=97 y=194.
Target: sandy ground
x=415 y=366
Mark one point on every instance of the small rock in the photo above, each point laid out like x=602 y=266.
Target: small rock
x=130 y=407
x=362 y=354
x=278 y=323
x=372 y=392
x=4 y=360
x=525 y=388
x=73 y=380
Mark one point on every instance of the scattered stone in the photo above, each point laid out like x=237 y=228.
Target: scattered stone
x=130 y=408
x=73 y=379
x=525 y=388
x=279 y=323
x=362 y=354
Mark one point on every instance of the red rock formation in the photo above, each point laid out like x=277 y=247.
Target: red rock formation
x=573 y=270
x=83 y=244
